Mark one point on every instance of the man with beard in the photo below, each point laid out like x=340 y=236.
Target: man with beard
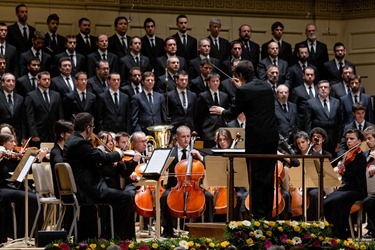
x=29 y=82
x=273 y=77
x=135 y=86
x=341 y=89
x=86 y=43
x=250 y=49
x=166 y=82
x=54 y=43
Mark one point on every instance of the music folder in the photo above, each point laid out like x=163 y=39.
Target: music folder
x=159 y=161
x=24 y=166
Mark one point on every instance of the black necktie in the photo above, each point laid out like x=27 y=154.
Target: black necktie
x=73 y=63
x=136 y=89
x=2 y=50
x=54 y=43
x=104 y=56
x=33 y=83
x=340 y=67
x=184 y=41
x=37 y=54
x=152 y=43
x=242 y=125
x=46 y=97
x=183 y=157
x=247 y=46
x=136 y=61
x=87 y=40
x=347 y=89
x=68 y=83
x=312 y=50
x=284 y=107
x=303 y=67
x=274 y=62
x=310 y=92
x=360 y=127
x=216 y=44
x=25 y=33
x=83 y=97
x=325 y=105
x=183 y=99
x=274 y=88
x=116 y=101
x=104 y=84
x=355 y=99
x=149 y=98
x=216 y=99
x=10 y=102
x=123 y=42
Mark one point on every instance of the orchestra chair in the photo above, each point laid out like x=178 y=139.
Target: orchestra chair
x=45 y=196
x=356 y=208
x=68 y=189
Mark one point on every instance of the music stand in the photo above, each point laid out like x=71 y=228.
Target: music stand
x=20 y=174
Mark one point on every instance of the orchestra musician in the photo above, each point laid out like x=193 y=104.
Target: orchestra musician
x=180 y=152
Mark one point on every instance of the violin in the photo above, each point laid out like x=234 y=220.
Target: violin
x=348 y=157
x=129 y=155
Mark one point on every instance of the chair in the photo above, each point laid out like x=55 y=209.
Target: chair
x=68 y=189
x=45 y=195
x=356 y=208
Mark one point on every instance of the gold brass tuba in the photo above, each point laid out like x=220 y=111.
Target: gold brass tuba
x=162 y=135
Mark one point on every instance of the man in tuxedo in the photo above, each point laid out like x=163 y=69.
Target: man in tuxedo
x=181 y=103
x=63 y=83
x=296 y=71
x=43 y=109
x=118 y=43
x=29 y=82
x=250 y=49
x=206 y=124
x=21 y=33
x=83 y=159
x=79 y=100
x=54 y=43
x=78 y=60
x=152 y=46
x=317 y=50
x=304 y=92
x=134 y=59
x=200 y=83
x=274 y=59
x=35 y=51
x=325 y=112
x=98 y=83
x=285 y=49
x=333 y=69
x=256 y=100
x=114 y=107
x=102 y=54
x=186 y=44
x=148 y=107
x=8 y=51
x=86 y=43
x=353 y=97
x=170 y=48
x=12 y=106
x=286 y=113
x=235 y=54
x=166 y=82
x=135 y=83
x=220 y=47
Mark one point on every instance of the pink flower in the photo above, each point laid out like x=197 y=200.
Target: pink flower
x=123 y=246
x=267 y=244
x=316 y=243
x=143 y=247
x=333 y=242
x=283 y=238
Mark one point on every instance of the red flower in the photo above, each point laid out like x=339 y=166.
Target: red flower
x=64 y=246
x=123 y=246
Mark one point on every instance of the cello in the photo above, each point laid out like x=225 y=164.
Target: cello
x=186 y=199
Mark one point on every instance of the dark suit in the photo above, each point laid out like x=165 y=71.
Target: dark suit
x=80 y=64
x=128 y=89
x=197 y=85
x=83 y=159
x=347 y=104
x=299 y=96
x=82 y=48
x=51 y=49
x=59 y=85
x=339 y=90
x=316 y=116
x=257 y=101
x=252 y=55
x=332 y=74
x=145 y=114
x=179 y=116
x=45 y=64
x=285 y=51
x=127 y=62
x=234 y=124
x=160 y=84
x=229 y=88
x=195 y=64
x=15 y=118
x=112 y=118
x=206 y=123
x=73 y=105
x=15 y=38
x=115 y=46
x=95 y=85
x=152 y=53
x=11 y=60
x=95 y=57
x=24 y=85
x=283 y=70
x=287 y=121
x=224 y=49
x=161 y=65
x=343 y=147
x=190 y=51
x=296 y=76
x=40 y=117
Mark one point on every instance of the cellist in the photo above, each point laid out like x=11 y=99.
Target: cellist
x=180 y=152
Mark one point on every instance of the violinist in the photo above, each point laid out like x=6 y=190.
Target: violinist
x=369 y=201
x=180 y=152
x=353 y=188
x=122 y=140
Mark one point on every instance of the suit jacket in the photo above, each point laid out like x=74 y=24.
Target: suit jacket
x=82 y=48
x=234 y=124
x=59 y=85
x=194 y=66
x=94 y=57
x=128 y=89
x=152 y=53
x=179 y=116
x=115 y=46
x=161 y=65
x=24 y=85
x=11 y=60
x=285 y=51
x=252 y=55
x=332 y=74
x=144 y=114
x=160 y=84
x=73 y=105
x=190 y=51
x=316 y=116
x=112 y=118
x=205 y=123
x=338 y=90
x=343 y=147
x=283 y=70
x=296 y=76
x=127 y=62
x=197 y=85
x=15 y=38
x=95 y=86
x=347 y=104
x=40 y=117
x=287 y=121
x=17 y=118
x=79 y=66
x=229 y=88
x=45 y=64
x=49 y=48
x=224 y=49
x=299 y=96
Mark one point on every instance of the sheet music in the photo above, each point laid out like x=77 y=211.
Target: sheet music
x=158 y=159
x=26 y=168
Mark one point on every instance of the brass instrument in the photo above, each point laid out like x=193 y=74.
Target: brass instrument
x=162 y=135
